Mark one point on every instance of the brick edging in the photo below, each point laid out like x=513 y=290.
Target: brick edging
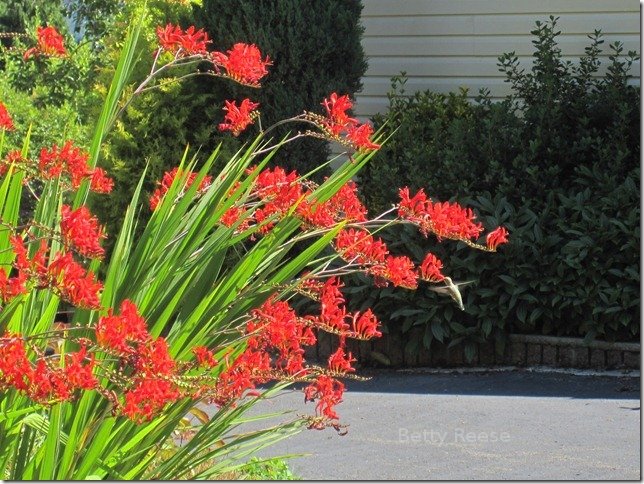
x=520 y=350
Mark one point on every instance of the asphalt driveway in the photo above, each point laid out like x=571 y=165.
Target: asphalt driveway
x=496 y=425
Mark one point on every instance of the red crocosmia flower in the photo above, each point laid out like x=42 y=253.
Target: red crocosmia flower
x=446 y=219
x=49 y=384
x=497 y=237
x=153 y=358
x=170 y=37
x=430 y=269
x=204 y=356
x=398 y=270
x=238 y=118
x=346 y=205
x=194 y=41
x=343 y=205
x=148 y=397
x=11 y=287
x=74 y=284
x=15 y=369
x=50 y=43
x=100 y=182
x=81 y=230
x=411 y=205
x=69 y=159
x=191 y=42
x=340 y=362
x=233 y=215
x=316 y=214
x=328 y=391
x=274 y=325
x=333 y=312
x=79 y=375
x=360 y=137
x=249 y=369
x=116 y=332
x=359 y=245
x=6 y=122
x=336 y=110
x=243 y=63
x=166 y=182
x=366 y=325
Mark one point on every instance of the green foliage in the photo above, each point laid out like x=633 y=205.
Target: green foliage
x=315 y=49
x=557 y=163
x=267 y=470
x=17 y=15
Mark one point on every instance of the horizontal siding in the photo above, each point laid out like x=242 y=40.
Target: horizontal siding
x=446 y=44
x=470 y=45
x=386 y=8
x=455 y=67
x=458 y=25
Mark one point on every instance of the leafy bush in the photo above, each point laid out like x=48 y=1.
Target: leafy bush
x=315 y=50
x=266 y=470
x=557 y=163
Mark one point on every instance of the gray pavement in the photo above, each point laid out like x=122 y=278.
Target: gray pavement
x=496 y=425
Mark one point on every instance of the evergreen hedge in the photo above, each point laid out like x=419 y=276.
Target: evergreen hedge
x=315 y=48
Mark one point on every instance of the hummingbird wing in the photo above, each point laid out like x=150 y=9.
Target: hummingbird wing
x=452 y=290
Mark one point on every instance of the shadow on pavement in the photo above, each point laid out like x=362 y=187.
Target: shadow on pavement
x=521 y=383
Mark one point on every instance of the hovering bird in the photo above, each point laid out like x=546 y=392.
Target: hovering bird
x=451 y=288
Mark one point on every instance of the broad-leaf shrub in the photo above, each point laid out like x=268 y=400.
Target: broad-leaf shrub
x=170 y=326
x=557 y=162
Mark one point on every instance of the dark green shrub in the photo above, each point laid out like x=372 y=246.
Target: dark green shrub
x=315 y=48
x=557 y=163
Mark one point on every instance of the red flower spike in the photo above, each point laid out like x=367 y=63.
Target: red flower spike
x=166 y=182
x=148 y=397
x=398 y=270
x=333 y=312
x=74 y=284
x=243 y=63
x=77 y=375
x=328 y=392
x=238 y=118
x=100 y=182
x=204 y=356
x=153 y=358
x=360 y=137
x=81 y=230
x=497 y=237
x=446 y=219
x=6 y=122
x=336 y=110
x=366 y=325
x=13 y=286
x=50 y=43
x=191 y=42
x=340 y=362
x=116 y=332
x=49 y=384
x=15 y=368
x=170 y=37
x=72 y=161
x=430 y=269
x=360 y=245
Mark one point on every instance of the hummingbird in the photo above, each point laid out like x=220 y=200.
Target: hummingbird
x=451 y=288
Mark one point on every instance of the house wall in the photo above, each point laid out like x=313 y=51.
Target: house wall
x=445 y=44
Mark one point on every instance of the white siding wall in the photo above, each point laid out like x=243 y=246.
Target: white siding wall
x=445 y=44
